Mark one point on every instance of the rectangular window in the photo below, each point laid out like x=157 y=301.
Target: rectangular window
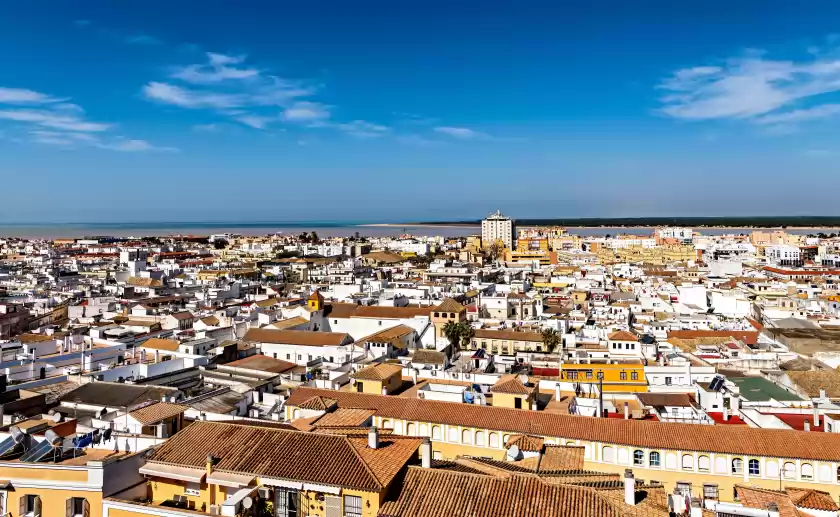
x=77 y=507
x=352 y=506
x=588 y=374
x=572 y=375
x=622 y=376
x=667 y=381
x=710 y=491
x=634 y=376
x=286 y=502
x=30 y=503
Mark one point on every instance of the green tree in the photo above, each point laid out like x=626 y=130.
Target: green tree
x=467 y=333
x=551 y=340
x=459 y=334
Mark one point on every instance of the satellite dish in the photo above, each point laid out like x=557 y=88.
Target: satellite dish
x=247 y=503
x=514 y=453
x=17 y=434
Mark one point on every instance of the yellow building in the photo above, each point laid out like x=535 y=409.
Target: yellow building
x=507 y=342
x=315 y=301
x=61 y=484
x=448 y=311
x=667 y=452
x=379 y=379
x=626 y=376
x=212 y=467
x=510 y=392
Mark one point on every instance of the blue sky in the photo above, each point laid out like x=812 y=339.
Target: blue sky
x=436 y=110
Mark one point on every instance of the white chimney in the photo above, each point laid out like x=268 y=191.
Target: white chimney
x=557 y=394
x=157 y=356
x=629 y=487
x=816 y=416
x=426 y=453
x=696 y=508
x=414 y=376
x=626 y=411
x=725 y=414
x=806 y=426
x=373 y=438
x=822 y=394
x=735 y=404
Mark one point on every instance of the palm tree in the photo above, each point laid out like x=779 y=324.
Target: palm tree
x=551 y=339
x=467 y=333
x=452 y=331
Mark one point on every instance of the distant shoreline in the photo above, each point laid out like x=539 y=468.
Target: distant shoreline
x=602 y=226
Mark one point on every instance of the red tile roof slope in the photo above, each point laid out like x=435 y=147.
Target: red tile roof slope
x=688 y=437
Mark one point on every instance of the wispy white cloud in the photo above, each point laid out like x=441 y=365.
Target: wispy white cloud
x=189 y=98
x=49 y=120
x=306 y=111
x=755 y=88
x=128 y=145
x=53 y=120
x=363 y=129
x=143 y=39
x=24 y=96
x=461 y=133
x=219 y=67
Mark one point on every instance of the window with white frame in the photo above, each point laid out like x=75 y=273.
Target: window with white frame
x=352 y=506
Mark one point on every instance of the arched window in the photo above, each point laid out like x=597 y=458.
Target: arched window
x=688 y=462
x=411 y=430
x=479 y=438
x=754 y=467
x=653 y=459
x=453 y=434
x=807 y=471
x=397 y=427
x=789 y=470
x=638 y=458
x=607 y=454
x=838 y=474
x=704 y=464
x=494 y=439
x=771 y=469
x=466 y=436
x=737 y=466
x=386 y=424
x=435 y=432
x=505 y=438
x=296 y=414
x=424 y=430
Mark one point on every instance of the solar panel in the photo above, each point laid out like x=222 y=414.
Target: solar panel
x=39 y=452
x=8 y=446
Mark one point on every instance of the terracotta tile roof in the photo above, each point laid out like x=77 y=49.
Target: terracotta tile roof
x=289 y=323
x=812 y=499
x=561 y=457
x=449 y=493
x=423 y=356
x=156 y=412
x=318 y=403
x=325 y=459
x=525 y=442
x=378 y=372
x=623 y=335
x=747 y=337
x=644 y=434
x=170 y=345
x=295 y=337
x=754 y=497
x=263 y=363
x=390 y=335
x=508 y=335
x=379 y=312
x=450 y=305
x=143 y=282
x=316 y=296
x=513 y=385
x=344 y=418
x=183 y=315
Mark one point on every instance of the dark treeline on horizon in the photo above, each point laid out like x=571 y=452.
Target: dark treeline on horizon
x=723 y=221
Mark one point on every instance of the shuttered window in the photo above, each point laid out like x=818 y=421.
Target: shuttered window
x=352 y=506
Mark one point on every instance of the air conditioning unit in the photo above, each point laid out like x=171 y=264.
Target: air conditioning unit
x=264 y=492
x=215 y=509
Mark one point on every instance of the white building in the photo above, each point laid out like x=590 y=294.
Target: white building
x=498 y=227
x=683 y=234
x=783 y=255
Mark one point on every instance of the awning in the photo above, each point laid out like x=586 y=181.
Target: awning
x=230 y=480
x=193 y=475
x=283 y=483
